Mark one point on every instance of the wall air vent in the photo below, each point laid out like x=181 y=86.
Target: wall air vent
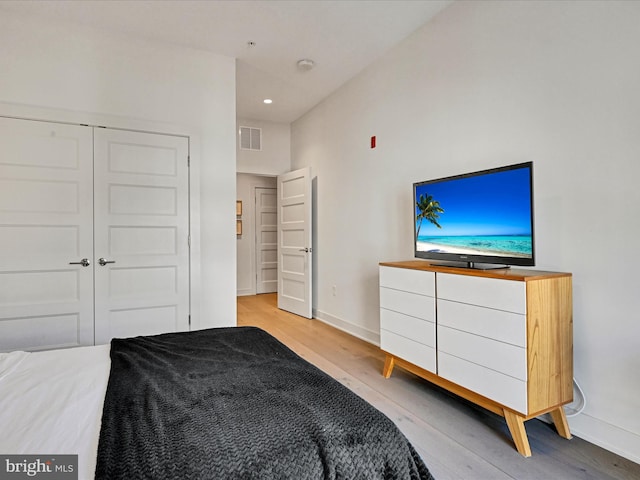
x=250 y=138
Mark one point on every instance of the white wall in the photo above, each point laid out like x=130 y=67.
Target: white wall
x=275 y=156
x=63 y=72
x=246 y=243
x=488 y=84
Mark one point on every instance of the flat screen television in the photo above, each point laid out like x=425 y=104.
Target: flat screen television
x=482 y=219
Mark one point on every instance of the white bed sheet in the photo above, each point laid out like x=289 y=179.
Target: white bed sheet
x=51 y=403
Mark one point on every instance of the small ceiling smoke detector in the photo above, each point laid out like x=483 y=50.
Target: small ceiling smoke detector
x=305 y=64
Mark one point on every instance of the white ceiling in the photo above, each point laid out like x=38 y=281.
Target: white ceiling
x=342 y=37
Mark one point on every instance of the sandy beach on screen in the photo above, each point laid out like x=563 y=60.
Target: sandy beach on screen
x=426 y=247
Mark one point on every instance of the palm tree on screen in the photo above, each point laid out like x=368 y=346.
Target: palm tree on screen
x=428 y=209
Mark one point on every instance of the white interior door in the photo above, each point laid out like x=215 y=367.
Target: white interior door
x=46 y=229
x=294 y=242
x=266 y=240
x=141 y=232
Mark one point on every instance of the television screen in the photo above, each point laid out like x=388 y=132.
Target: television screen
x=484 y=217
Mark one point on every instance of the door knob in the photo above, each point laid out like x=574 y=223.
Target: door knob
x=84 y=262
x=103 y=261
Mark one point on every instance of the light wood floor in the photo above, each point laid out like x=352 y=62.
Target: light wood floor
x=456 y=439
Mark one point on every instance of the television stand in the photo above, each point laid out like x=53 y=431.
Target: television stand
x=471 y=265
x=502 y=339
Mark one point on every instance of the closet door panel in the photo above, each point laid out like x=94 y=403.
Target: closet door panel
x=142 y=227
x=46 y=224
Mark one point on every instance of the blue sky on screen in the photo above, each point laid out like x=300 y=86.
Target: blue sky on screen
x=492 y=204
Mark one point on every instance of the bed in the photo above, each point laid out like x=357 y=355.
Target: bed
x=225 y=403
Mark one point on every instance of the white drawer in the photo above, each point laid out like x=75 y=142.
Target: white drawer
x=422 y=331
x=416 y=281
x=508 y=295
x=413 y=352
x=499 y=356
x=503 y=389
x=412 y=304
x=504 y=326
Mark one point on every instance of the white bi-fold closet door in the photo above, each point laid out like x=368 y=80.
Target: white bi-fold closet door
x=94 y=227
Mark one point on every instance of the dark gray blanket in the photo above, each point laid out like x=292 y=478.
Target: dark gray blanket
x=235 y=403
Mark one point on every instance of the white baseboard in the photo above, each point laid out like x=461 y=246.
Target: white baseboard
x=610 y=437
x=355 y=330
x=244 y=292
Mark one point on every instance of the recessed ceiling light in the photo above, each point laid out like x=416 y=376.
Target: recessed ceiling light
x=267 y=101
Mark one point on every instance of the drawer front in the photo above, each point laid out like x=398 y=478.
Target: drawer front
x=507 y=295
x=409 y=350
x=419 y=306
x=501 y=357
x=496 y=386
x=416 y=281
x=504 y=326
x=421 y=331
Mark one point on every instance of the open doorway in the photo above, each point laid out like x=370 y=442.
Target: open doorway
x=275 y=234
x=257 y=243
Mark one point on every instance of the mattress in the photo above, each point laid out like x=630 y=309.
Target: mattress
x=51 y=402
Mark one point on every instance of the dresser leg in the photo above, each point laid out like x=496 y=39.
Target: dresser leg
x=518 y=433
x=560 y=421
x=388 y=366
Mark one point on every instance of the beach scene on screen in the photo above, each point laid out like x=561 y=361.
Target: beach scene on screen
x=478 y=215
